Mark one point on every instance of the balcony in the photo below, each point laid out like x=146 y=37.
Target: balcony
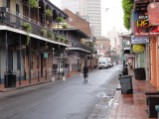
x=82 y=47
x=17 y=21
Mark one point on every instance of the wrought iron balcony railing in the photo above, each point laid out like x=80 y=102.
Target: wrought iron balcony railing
x=80 y=45
x=17 y=21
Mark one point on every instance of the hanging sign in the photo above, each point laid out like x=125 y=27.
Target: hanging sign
x=142 y=27
x=45 y=55
x=139 y=40
x=153 y=13
x=138 y=48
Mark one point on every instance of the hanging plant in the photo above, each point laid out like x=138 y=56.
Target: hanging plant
x=33 y=3
x=53 y=36
x=91 y=44
x=59 y=19
x=50 y=35
x=48 y=12
x=64 y=26
x=61 y=38
x=43 y=32
x=56 y=37
x=66 y=41
x=28 y=28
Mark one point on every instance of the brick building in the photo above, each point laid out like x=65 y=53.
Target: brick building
x=77 y=22
x=103 y=46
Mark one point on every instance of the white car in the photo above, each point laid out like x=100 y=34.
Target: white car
x=102 y=65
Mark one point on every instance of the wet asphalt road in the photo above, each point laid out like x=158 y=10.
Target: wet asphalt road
x=71 y=99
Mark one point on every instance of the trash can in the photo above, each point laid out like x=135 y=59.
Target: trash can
x=10 y=80
x=140 y=73
x=126 y=84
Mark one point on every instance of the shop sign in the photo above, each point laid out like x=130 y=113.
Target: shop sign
x=142 y=26
x=138 y=48
x=45 y=55
x=139 y=40
x=153 y=13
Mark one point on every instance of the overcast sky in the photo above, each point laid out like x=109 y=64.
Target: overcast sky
x=56 y=2
x=112 y=14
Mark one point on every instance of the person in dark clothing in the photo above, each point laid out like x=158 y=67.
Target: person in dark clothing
x=85 y=73
x=125 y=70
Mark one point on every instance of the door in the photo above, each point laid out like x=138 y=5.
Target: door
x=10 y=60
x=17 y=13
x=42 y=62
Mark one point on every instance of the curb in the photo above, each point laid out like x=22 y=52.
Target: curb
x=22 y=87
x=115 y=105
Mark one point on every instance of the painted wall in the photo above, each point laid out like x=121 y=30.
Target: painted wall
x=13 y=7
x=0 y=4
x=153 y=51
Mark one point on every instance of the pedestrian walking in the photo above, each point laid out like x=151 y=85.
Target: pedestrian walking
x=85 y=73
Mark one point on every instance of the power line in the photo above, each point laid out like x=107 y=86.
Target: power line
x=107 y=8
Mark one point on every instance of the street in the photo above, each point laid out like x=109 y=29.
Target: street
x=70 y=99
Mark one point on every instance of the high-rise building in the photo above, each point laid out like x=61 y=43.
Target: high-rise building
x=72 y=5
x=88 y=9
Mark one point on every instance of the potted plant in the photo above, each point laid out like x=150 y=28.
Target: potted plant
x=33 y=3
x=28 y=28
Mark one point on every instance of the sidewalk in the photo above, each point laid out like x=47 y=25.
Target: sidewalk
x=131 y=106
x=34 y=81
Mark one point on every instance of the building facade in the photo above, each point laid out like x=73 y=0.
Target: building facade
x=86 y=42
x=147 y=55
x=30 y=44
x=75 y=21
x=89 y=10
x=103 y=47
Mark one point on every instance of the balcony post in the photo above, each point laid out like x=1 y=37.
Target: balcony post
x=20 y=61
x=6 y=46
x=38 y=11
x=38 y=60
x=30 y=62
x=29 y=13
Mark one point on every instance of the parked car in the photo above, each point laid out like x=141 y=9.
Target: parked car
x=102 y=63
